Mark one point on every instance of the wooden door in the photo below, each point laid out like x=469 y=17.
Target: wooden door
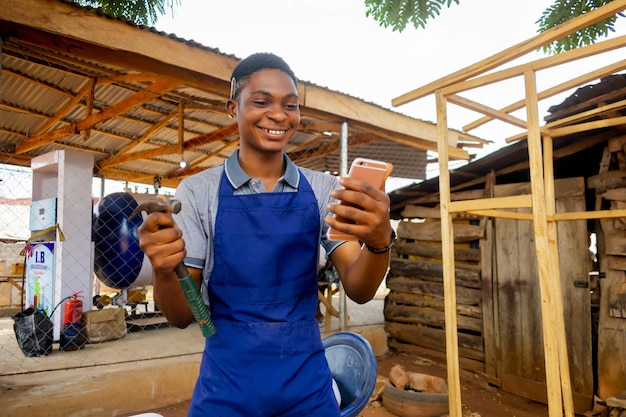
x=522 y=364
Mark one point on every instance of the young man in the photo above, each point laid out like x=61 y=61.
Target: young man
x=252 y=228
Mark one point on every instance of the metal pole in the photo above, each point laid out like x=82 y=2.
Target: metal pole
x=343 y=172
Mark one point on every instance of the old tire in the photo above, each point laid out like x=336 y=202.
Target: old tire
x=414 y=404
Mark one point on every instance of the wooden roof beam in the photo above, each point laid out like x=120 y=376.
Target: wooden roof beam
x=119 y=157
x=480 y=108
x=538 y=65
x=214 y=136
x=143 y=96
x=567 y=85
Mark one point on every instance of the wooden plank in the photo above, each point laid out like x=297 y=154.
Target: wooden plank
x=598 y=100
x=563 y=187
x=432 y=231
x=586 y=215
x=491 y=332
x=489 y=309
x=555 y=278
x=584 y=127
x=504 y=190
x=573 y=266
x=532 y=353
x=465 y=363
x=616 y=194
x=447 y=245
x=420 y=212
x=605 y=162
x=433 y=250
x=615 y=244
x=433 y=271
x=509 y=294
x=559 y=88
x=491 y=203
x=607 y=180
x=537 y=391
x=427 y=316
x=584 y=115
x=543 y=254
x=12 y=281
x=503 y=214
x=611 y=373
x=616 y=144
x=470 y=346
x=464 y=295
x=488 y=111
x=617 y=262
x=540 y=64
x=617 y=300
x=413 y=211
x=431 y=302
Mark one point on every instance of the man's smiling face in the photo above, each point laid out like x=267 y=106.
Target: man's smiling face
x=267 y=111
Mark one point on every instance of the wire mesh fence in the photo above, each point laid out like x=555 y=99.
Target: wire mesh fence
x=51 y=299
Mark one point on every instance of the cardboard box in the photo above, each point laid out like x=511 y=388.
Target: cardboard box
x=16 y=269
x=105 y=324
x=136 y=296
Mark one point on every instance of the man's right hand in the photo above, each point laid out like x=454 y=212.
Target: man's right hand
x=161 y=240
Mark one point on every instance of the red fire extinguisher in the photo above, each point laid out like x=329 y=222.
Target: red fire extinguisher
x=73 y=310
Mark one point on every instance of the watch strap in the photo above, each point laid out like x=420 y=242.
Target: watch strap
x=386 y=248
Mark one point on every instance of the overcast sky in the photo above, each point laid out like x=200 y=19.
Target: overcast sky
x=333 y=44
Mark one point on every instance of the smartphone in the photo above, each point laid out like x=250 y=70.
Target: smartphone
x=371 y=171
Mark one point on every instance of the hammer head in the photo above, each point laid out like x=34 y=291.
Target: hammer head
x=150 y=206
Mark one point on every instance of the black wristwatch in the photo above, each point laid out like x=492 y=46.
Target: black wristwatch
x=385 y=249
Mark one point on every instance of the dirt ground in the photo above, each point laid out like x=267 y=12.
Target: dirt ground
x=478 y=397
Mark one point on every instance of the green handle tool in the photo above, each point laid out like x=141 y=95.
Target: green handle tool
x=194 y=298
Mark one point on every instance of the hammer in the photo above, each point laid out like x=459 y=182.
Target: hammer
x=192 y=294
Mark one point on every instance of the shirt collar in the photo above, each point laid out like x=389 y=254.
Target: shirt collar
x=238 y=177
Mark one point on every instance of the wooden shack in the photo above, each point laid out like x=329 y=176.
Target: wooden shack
x=498 y=305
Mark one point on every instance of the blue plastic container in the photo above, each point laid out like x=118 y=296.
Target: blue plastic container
x=72 y=337
x=353 y=366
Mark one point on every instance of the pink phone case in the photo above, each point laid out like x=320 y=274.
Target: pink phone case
x=369 y=170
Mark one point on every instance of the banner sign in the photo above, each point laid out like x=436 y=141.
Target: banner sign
x=40 y=276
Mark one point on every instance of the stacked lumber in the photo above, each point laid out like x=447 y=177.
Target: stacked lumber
x=610 y=188
x=414 y=306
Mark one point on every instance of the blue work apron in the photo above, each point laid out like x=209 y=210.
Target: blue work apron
x=267 y=358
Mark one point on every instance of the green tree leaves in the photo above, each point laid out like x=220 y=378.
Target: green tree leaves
x=141 y=12
x=397 y=14
x=562 y=11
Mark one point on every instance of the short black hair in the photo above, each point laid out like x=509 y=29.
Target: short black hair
x=253 y=63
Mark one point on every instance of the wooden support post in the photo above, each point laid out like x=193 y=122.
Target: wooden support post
x=542 y=248
x=447 y=251
x=555 y=278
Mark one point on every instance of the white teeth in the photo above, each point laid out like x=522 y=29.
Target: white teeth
x=275 y=132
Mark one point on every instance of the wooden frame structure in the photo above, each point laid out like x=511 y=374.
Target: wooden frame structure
x=541 y=200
